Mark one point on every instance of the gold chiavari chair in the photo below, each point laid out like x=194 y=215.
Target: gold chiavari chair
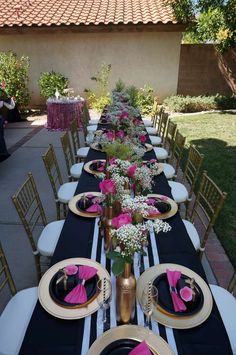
x=206 y=208
x=171 y=171
x=79 y=152
x=16 y=315
x=163 y=153
x=161 y=129
x=63 y=192
x=153 y=130
x=192 y=168
x=30 y=210
x=74 y=170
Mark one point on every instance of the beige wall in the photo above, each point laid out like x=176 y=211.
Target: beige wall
x=137 y=58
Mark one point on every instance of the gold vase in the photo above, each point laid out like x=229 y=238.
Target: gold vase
x=137 y=218
x=107 y=228
x=125 y=295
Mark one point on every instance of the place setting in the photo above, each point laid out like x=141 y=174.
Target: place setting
x=74 y=288
x=163 y=207
x=87 y=204
x=183 y=299
x=95 y=167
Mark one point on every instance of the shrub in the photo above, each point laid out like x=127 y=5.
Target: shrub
x=100 y=98
x=14 y=77
x=49 y=82
x=145 y=99
x=120 y=86
x=179 y=103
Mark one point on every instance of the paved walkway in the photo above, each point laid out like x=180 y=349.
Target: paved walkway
x=27 y=141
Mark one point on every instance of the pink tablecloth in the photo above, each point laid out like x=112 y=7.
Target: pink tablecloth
x=60 y=114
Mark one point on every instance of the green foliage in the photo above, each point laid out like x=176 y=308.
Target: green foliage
x=132 y=91
x=14 y=75
x=215 y=21
x=120 y=86
x=118 y=262
x=118 y=150
x=179 y=103
x=49 y=82
x=145 y=99
x=101 y=97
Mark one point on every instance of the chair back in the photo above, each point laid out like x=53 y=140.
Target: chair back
x=162 y=124
x=85 y=117
x=232 y=283
x=170 y=136
x=5 y=274
x=178 y=149
x=52 y=168
x=207 y=206
x=192 y=168
x=67 y=150
x=30 y=210
x=74 y=137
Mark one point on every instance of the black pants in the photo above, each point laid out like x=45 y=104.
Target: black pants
x=3 y=149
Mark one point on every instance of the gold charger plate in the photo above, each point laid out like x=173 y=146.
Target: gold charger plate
x=172 y=212
x=89 y=170
x=62 y=312
x=73 y=202
x=148 y=147
x=170 y=320
x=95 y=147
x=156 y=344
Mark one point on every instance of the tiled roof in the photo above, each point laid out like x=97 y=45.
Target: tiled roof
x=83 y=12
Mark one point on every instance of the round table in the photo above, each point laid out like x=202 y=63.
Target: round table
x=60 y=112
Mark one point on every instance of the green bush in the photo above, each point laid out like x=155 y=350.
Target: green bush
x=120 y=86
x=179 y=103
x=145 y=100
x=49 y=82
x=14 y=77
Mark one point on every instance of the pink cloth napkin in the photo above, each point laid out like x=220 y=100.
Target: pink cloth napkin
x=94 y=208
x=173 y=277
x=141 y=349
x=78 y=294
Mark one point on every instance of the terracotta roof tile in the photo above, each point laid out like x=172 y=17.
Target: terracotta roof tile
x=78 y=12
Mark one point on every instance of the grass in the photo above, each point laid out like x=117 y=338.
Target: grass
x=214 y=135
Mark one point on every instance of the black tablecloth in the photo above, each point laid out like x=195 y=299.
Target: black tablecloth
x=49 y=335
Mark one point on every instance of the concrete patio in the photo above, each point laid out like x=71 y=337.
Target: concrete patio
x=26 y=142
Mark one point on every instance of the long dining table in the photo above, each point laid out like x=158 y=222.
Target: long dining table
x=80 y=237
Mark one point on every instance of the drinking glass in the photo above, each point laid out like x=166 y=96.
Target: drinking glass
x=149 y=301
x=104 y=296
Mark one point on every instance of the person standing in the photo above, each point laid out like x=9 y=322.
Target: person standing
x=6 y=104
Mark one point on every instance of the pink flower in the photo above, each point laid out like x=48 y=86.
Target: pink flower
x=153 y=161
x=110 y=135
x=71 y=269
x=108 y=186
x=124 y=114
x=131 y=170
x=142 y=138
x=186 y=294
x=120 y=134
x=122 y=219
x=112 y=161
x=136 y=121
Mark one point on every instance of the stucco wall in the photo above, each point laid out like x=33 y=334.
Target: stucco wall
x=138 y=58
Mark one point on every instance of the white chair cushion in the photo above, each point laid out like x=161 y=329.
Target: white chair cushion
x=161 y=153
x=147 y=123
x=92 y=128
x=193 y=234
x=83 y=152
x=94 y=121
x=179 y=191
x=15 y=319
x=76 y=170
x=49 y=237
x=151 y=130
x=168 y=170
x=67 y=191
x=155 y=140
x=226 y=304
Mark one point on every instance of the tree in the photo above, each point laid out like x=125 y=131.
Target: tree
x=212 y=21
